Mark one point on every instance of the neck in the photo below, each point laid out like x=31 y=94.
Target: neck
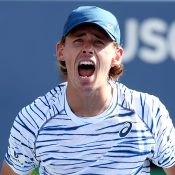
x=89 y=104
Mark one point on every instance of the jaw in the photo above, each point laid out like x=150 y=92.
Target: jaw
x=92 y=83
x=87 y=81
x=87 y=77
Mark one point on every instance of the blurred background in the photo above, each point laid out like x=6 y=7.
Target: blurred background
x=29 y=31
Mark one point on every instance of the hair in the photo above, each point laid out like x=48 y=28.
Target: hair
x=114 y=73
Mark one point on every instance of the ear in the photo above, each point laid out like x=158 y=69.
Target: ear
x=118 y=56
x=59 y=52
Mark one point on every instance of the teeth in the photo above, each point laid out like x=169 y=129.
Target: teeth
x=86 y=63
x=84 y=77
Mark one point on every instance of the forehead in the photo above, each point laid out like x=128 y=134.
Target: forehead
x=89 y=28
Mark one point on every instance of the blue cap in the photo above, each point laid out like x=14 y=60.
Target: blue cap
x=95 y=15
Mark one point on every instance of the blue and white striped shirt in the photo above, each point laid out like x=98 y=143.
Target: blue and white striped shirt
x=134 y=130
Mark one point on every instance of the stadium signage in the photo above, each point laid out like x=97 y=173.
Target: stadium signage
x=151 y=40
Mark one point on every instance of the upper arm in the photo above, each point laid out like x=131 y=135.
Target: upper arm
x=6 y=169
x=164 y=131
x=20 y=155
x=170 y=171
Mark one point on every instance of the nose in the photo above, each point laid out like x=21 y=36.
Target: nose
x=88 y=48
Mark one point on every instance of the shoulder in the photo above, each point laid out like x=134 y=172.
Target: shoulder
x=135 y=100
x=148 y=107
x=34 y=115
x=52 y=100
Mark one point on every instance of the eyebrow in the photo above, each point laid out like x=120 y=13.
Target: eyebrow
x=100 y=36
x=77 y=34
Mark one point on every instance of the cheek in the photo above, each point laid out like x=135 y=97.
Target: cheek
x=68 y=55
x=70 y=52
x=70 y=62
x=106 y=59
x=105 y=66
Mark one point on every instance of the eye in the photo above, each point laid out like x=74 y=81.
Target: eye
x=99 y=43
x=78 y=41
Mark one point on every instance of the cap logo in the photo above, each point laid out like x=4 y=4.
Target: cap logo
x=109 y=26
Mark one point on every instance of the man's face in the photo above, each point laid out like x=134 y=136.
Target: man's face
x=89 y=54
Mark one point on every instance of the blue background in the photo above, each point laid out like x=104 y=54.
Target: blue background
x=29 y=32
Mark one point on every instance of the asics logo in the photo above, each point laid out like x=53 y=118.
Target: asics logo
x=126 y=129
x=16 y=155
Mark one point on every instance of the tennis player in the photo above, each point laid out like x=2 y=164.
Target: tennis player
x=91 y=124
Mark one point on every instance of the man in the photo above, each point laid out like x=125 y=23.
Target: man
x=91 y=124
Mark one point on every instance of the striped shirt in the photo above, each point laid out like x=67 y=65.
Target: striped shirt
x=134 y=130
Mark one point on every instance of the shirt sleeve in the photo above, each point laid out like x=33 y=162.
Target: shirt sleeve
x=156 y=117
x=164 y=134
x=20 y=155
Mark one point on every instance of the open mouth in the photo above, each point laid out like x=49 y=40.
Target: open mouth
x=86 y=68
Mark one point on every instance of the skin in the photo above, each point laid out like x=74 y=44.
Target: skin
x=88 y=96
x=6 y=170
x=89 y=43
x=170 y=171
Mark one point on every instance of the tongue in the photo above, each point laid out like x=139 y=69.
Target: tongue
x=85 y=72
